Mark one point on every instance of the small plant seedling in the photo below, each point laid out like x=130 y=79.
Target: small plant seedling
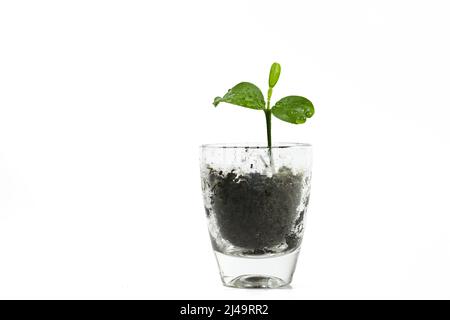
x=292 y=109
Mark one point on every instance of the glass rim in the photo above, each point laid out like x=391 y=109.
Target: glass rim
x=281 y=145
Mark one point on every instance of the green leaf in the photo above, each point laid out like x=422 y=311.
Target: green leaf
x=244 y=94
x=293 y=109
x=274 y=75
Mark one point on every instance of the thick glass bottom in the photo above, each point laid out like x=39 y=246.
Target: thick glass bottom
x=257 y=271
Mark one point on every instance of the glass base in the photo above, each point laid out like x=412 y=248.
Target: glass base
x=257 y=271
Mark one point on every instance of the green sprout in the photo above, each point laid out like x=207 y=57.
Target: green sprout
x=292 y=109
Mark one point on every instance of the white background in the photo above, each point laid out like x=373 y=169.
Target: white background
x=103 y=105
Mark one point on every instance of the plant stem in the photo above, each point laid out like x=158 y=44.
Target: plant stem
x=268 y=114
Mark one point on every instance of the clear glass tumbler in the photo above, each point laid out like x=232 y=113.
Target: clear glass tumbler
x=255 y=201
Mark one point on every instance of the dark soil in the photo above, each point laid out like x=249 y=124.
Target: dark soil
x=257 y=211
